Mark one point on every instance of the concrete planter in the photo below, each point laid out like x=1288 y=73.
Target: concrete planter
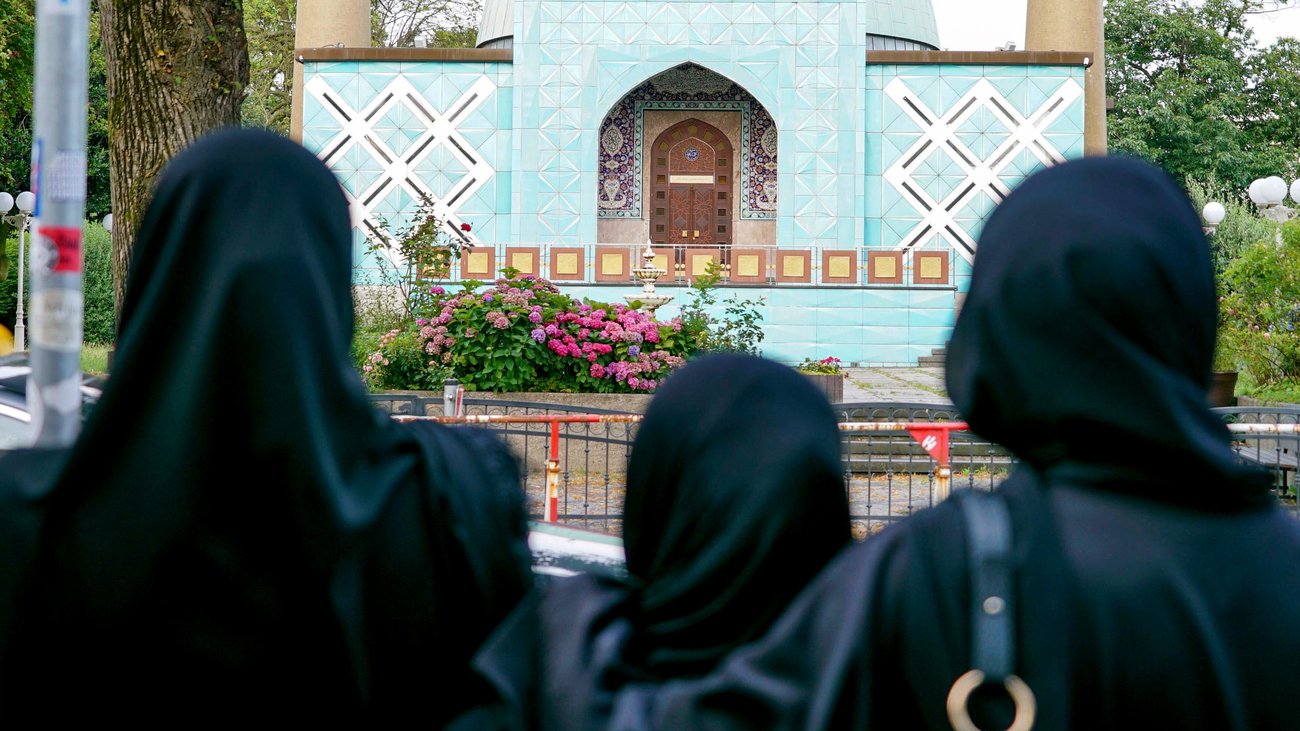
x=831 y=384
x=1222 y=388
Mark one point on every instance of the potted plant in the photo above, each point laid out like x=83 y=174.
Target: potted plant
x=1223 y=382
x=827 y=375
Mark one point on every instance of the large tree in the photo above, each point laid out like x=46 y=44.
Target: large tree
x=1194 y=92
x=17 y=36
x=175 y=71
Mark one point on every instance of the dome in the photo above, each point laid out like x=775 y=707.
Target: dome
x=891 y=24
x=497 y=27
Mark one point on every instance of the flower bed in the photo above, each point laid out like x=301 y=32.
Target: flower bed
x=522 y=334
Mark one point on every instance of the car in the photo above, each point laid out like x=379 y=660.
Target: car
x=16 y=428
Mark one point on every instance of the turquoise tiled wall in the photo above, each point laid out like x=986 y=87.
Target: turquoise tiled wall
x=455 y=135
x=946 y=142
x=802 y=61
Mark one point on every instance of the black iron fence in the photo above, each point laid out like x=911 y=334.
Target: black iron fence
x=887 y=473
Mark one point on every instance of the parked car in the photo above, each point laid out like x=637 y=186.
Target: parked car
x=16 y=429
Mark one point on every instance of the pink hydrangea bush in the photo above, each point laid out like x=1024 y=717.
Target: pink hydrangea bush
x=522 y=334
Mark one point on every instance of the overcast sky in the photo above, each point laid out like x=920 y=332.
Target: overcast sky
x=978 y=25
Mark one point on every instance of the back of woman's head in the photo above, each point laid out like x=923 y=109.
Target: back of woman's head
x=1085 y=342
x=236 y=323
x=735 y=500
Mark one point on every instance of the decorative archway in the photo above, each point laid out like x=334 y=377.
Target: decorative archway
x=692 y=187
x=625 y=165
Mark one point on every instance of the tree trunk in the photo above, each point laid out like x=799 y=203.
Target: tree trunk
x=176 y=71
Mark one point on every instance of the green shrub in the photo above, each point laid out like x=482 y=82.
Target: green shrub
x=522 y=334
x=100 y=321
x=739 y=329
x=1260 y=309
x=397 y=361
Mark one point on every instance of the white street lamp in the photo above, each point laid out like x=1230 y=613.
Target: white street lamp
x=1213 y=213
x=108 y=223
x=22 y=221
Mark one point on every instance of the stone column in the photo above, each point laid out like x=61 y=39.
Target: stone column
x=1075 y=25
x=343 y=23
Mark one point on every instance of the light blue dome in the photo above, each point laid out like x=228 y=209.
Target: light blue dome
x=891 y=24
x=911 y=21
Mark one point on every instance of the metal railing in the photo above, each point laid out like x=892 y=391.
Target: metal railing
x=574 y=458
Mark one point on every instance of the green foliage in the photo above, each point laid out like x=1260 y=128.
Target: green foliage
x=1260 y=309
x=412 y=258
x=442 y=23
x=522 y=334
x=269 y=25
x=17 y=56
x=737 y=330
x=1240 y=228
x=99 y=321
x=1194 y=93
x=396 y=361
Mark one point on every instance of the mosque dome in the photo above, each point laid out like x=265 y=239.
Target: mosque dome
x=891 y=24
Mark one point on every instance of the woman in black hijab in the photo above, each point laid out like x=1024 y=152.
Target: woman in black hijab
x=735 y=500
x=1154 y=580
x=237 y=530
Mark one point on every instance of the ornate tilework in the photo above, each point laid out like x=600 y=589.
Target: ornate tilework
x=685 y=87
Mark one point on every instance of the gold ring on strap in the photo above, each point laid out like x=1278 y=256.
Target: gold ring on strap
x=959 y=697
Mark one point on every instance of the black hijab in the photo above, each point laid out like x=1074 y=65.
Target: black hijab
x=735 y=500
x=237 y=526
x=1088 y=371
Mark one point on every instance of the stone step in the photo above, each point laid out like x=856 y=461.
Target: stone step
x=935 y=358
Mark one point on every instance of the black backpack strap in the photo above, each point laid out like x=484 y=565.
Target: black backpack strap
x=993 y=612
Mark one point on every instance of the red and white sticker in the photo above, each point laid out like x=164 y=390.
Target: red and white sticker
x=59 y=249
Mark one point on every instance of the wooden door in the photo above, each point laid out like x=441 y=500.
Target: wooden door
x=692 y=185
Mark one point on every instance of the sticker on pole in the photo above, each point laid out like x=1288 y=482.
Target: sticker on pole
x=65 y=180
x=56 y=319
x=58 y=249
x=37 y=166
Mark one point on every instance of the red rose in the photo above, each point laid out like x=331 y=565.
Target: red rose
x=465 y=227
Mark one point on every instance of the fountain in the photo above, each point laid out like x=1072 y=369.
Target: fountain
x=647 y=274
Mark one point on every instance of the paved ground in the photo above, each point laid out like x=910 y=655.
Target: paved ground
x=911 y=385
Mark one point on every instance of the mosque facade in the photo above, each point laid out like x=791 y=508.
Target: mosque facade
x=826 y=156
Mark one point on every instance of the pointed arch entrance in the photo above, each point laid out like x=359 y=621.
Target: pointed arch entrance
x=691 y=185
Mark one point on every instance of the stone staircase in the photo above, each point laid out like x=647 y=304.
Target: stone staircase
x=935 y=359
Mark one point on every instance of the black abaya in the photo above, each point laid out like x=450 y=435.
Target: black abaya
x=735 y=500
x=1155 y=581
x=237 y=529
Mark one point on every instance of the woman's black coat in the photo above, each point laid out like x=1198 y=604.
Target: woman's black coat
x=237 y=531
x=1157 y=583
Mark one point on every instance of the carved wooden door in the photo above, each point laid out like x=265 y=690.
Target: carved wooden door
x=692 y=185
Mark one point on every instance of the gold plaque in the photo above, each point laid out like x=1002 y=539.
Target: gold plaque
x=478 y=262
x=841 y=267
x=566 y=263
x=700 y=264
x=747 y=265
x=886 y=267
x=931 y=266
x=792 y=266
x=611 y=264
x=523 y=261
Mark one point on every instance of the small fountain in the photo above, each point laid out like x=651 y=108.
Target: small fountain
x=647 y=274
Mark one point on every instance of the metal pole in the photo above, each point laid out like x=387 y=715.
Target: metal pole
x=20 y=329
x=553 y=476
x=59 y=182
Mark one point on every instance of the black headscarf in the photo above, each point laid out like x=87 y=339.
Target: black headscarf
x=1148 y=592
x=1091 y=371
x=236 y=522
x=735 y=500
